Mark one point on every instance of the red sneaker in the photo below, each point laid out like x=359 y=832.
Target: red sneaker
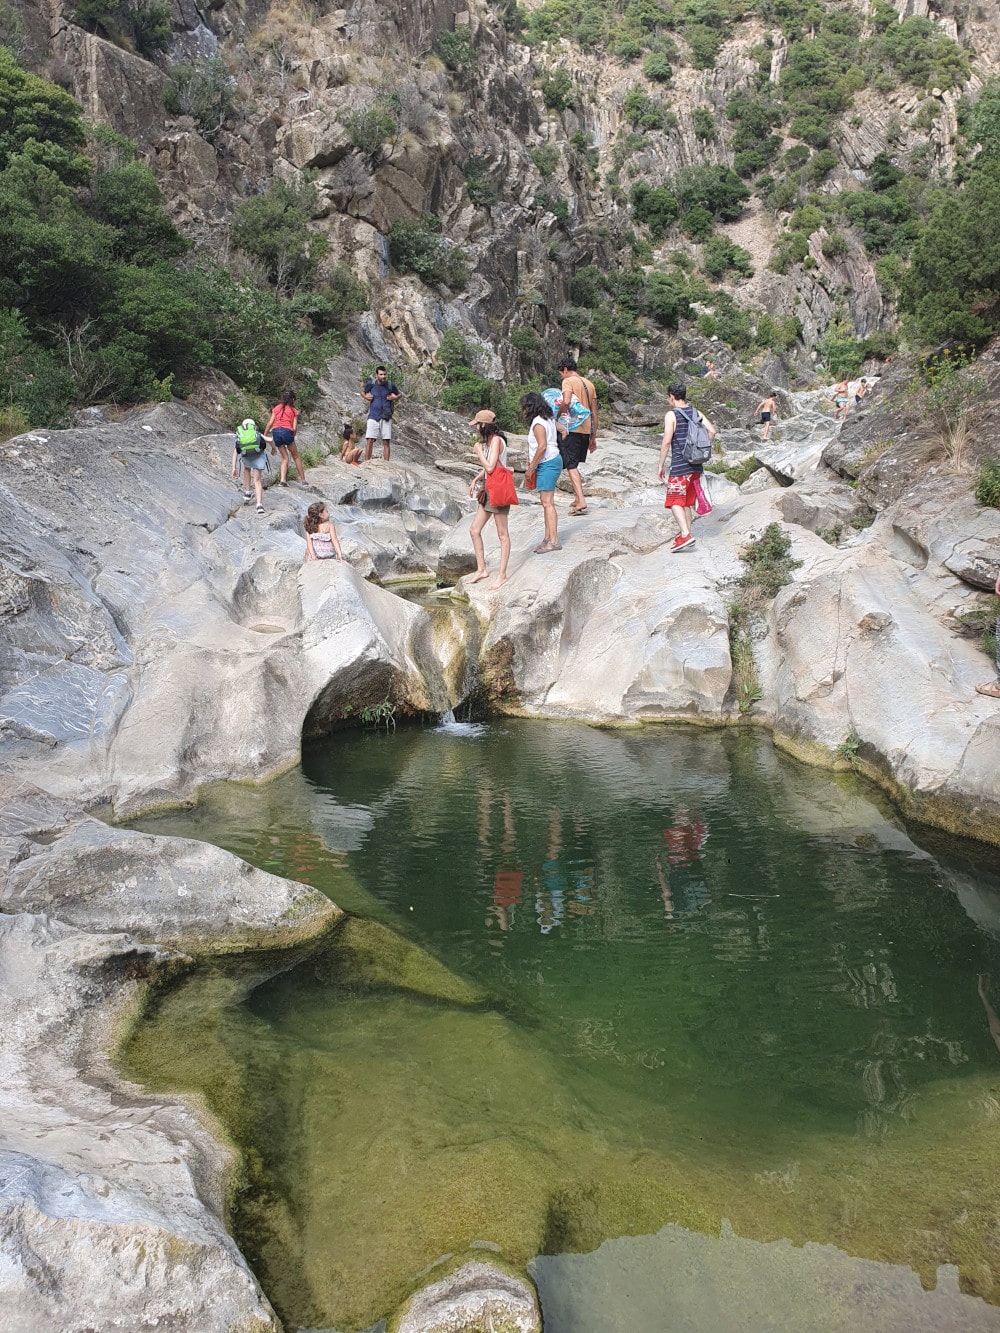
x=682 y=543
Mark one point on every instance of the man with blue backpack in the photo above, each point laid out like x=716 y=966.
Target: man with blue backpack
x=688 y=435
x=579 y=399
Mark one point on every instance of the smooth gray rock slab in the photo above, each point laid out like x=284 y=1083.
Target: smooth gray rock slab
x=110 y=1200
x=172 y=891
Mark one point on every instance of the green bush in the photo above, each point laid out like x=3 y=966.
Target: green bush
x=987 y=483
x=721 y=255
x=717 y=189
x=274 y=228
x=558 y=90
x=41 y=120
x=834 y=245
x=657 y=208
x=456 y=50
x=842 y=353
x=127 y=199
x=779 y=334
x=657 y=67
x=704 y=124
x=645 y=112
x=526 y=342
x=417 y=247
x=791 y=248
x=704 y=44
x=205 y=92
x=696 y=222
x=546 y=158
x=921 y=54
x=479 y=182
x=374 y=129
x=152 y=27
x=821 y=164
x=667 y=298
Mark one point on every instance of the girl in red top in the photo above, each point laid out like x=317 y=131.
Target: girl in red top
x=280 y=430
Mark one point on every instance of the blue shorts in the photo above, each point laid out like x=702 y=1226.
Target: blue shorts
x=256 y=462
x=282 y=436
x=547 y=474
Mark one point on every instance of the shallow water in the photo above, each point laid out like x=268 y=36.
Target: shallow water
x=670 y=978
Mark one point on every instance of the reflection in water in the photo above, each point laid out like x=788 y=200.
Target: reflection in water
x=722 y=985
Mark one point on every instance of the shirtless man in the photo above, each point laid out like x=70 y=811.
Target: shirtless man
x=841 y=401
x=767 y=408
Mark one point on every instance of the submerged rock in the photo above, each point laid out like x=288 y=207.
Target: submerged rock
x=476 y=1295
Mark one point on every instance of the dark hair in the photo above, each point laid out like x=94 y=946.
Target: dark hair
x=312 y=519
x=288 y=398
x=378 y=368
x=348 y=430
x=487 y=429
x=678 y=390
x=567 y=363
x=534 y=405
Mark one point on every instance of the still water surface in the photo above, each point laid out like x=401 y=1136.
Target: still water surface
x=661 y=977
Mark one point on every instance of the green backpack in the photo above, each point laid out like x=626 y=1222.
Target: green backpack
x=247 y=438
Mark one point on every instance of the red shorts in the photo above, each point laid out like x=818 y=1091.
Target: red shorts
x=681 y=491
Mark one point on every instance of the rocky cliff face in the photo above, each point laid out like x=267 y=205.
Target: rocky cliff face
x=297 y=76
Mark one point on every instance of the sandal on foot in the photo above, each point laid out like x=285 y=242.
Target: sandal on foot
x=544 y=548
x=577 y=512
x=283 y=483
x=991 y=688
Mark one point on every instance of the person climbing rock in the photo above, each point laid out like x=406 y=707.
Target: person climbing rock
x=280 y=430
x=767 y=409
x=582 y=440
x=250 y=451
x=685 y=494
x=841 y=401
x=991 y=688
x=381 y=395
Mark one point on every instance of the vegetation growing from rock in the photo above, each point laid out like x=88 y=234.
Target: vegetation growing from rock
x=769 y=566
x=987 y=487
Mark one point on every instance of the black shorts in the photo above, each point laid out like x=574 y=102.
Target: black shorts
x=765 y=417
x=574 y=448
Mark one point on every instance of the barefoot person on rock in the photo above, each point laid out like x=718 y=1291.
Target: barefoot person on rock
x=991 y=688
x=685 y=493
x=544 y=464
x=581 y=440
x=491 y=449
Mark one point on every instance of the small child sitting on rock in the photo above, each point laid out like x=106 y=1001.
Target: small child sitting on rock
x=350 y=450
x=321 y=535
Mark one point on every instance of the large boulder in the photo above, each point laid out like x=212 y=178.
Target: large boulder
x=111 y=1202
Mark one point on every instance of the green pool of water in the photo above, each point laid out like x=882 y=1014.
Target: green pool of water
x=629 y=980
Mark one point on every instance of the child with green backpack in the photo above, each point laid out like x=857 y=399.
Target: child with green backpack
x=250 y=450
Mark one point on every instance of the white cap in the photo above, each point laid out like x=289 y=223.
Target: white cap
x=247 y=424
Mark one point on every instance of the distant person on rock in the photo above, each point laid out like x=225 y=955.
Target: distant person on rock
x=544 y=464
x=322 y=541
x=350 y=450
x=841 y=401
x=860 y=392
x=767 y=408
x=280 y=429
x=491 y=449
x=685 y=493
x=991 y=688
x=381 y=395
x=712 y=371
x=582 y=438
x=250 y=451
